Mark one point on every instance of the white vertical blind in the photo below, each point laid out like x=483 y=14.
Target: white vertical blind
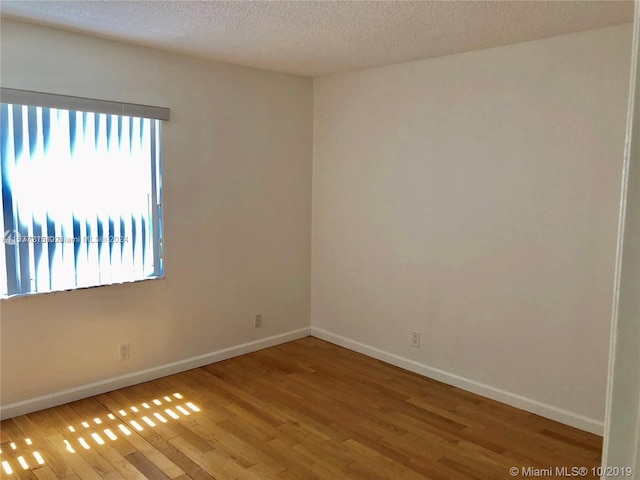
x=80 y=198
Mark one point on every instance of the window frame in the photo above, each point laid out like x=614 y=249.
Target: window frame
x=81 y=104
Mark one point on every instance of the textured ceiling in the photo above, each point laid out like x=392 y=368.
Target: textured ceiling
x=315 y=38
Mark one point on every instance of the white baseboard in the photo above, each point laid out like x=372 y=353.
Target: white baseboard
x=71 y=395
x=518 y=401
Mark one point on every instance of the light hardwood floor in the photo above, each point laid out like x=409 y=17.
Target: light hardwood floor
x=302 y=410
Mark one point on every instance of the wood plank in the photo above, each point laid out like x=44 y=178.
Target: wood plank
x=191 y=468
x=44 y=473
x=148 y=469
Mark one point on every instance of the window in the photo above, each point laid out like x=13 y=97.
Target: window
x=80 y=192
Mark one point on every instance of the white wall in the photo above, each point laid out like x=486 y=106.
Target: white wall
x=237 y=159
x=474 y=198
x=622 y=442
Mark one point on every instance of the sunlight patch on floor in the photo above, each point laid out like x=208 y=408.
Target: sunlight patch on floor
x=123 y=421
x=21 y=454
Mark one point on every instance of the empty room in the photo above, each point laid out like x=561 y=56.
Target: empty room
x=319 y=240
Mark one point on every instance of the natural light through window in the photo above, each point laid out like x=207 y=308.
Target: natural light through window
x=97 y=431
x=80 y=199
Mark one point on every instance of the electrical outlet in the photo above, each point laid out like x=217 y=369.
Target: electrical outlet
x=257 y=321
x=415 y=339
x=124 y=351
